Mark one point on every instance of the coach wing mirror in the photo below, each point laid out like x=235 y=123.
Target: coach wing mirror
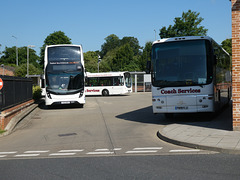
x=148 y=67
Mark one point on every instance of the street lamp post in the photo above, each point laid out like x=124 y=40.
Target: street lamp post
x=29 y=46
x=16 y=50
x=99 y=60
x=155 y=34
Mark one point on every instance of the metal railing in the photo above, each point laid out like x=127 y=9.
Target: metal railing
x=15 y=90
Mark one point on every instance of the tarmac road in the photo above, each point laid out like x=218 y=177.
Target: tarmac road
x=114 y=125
x=110 y=138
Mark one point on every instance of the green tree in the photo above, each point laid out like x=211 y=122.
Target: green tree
x=227 y=45
x=146 y=56
x=9 y=56
x=90 y=61
x=58 y=37
x=187 y=25
x=21 y=71
x=112 y=41
x=124 y=59
x=133 y=42
x=120 y=54
x=107 y=61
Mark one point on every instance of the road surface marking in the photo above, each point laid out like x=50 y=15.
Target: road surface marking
x=13 y=152
x=1 y=156
x=117 y=149
x=144 y=150
x=148 y=148
x=185 y=150
x=71 y=150
x=62 y=154
x=31 y=152
x=26 y=155
x=153 y=151
x=101 y=152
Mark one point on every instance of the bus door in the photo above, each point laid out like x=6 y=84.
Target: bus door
x=118 y=83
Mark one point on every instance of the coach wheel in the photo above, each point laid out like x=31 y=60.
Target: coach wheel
x=168 y=115
x=105 y=92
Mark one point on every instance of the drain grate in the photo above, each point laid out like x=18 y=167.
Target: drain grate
x=68 y=134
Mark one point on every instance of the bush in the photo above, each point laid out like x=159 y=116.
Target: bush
x=37 y=93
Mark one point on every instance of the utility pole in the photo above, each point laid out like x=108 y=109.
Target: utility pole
x=16 y=50
x=29 y=46
x=155 y=34
x=99 y=60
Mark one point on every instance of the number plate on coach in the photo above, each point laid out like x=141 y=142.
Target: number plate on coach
x=181 y=107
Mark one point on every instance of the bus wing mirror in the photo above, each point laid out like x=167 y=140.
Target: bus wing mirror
x=148 y=67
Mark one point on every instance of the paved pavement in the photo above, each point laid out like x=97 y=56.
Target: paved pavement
x=215 y=134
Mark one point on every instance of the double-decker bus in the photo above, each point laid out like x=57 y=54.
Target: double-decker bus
x=64 y=74
x=189 y=74
x=108 y=83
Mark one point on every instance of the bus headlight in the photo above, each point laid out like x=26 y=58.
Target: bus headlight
x=81 y=93
x=49 y=95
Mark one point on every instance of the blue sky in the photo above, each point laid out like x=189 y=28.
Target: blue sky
x=88 y=22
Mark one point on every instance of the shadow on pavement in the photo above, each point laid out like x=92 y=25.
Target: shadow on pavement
x=220 y=120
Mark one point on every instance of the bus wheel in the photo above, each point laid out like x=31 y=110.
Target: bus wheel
x=105 y=92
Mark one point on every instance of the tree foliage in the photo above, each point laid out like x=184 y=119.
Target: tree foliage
x=58 y=37
x=9 y=56
x=112 y=41
x=187 y=25
x=120 y=54
x=227 y=45
x=21 y=70
x=146 y=56
x=91 y=60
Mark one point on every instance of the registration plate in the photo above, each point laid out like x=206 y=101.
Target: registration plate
x=181 y=107
x=65 y=102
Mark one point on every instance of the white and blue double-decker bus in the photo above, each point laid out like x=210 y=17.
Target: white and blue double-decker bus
x=64 y=74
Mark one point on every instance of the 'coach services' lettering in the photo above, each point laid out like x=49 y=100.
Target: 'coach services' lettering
x=180 y=91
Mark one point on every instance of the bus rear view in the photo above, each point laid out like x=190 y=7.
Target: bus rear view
x=185 y=75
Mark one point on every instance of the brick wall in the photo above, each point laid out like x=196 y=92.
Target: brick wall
x=7 y=115
x=8 y=71
x=236 y=63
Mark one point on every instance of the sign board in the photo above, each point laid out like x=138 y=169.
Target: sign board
x=1 y=83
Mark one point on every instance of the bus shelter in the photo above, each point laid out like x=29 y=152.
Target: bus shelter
x=141 y=82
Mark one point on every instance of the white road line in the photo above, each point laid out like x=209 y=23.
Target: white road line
x=132 y=152
x=62 y=154
x=26 y=155
x=102 y=150
x=1 y=156
x=98 y=153
x=71 y=150
x=148 y=148
x=186 y=150
x=31 y=152
x=13 y=152
x=115 y=149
